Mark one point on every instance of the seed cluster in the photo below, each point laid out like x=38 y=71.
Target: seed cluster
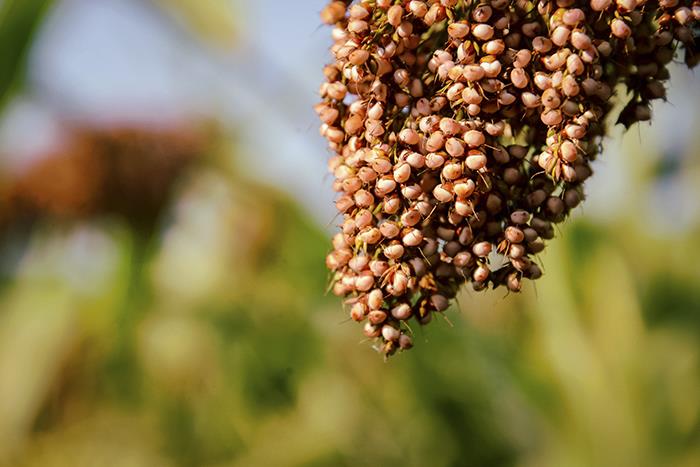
x=462 y=130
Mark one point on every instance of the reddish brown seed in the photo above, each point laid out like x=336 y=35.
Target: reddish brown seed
x=371 y=330
x=568 y=151
x=423 y=320
x=411 y=192
x=435 y=142
x=471 y=95
x=511 y=175
x=600 y=5
x=351 y=185
x=573 y=17
x=473 y=73
x=405 y=342
x=572 y=198
x=530 y=100
x=333 y=12
x=373 y=130
x=520 y=217
x=464 y=208
x=358 y=311
x=454 y=147
x=394 y=251
x=399 y=283
x=359 y=56
x=452 y=171
x=481 y=274
x=494 y=47
x=389 y=229
x=370 y=236
x=338 y=241
x=344 y=203
x=376 y=317
x=416 y=160
x=363 y=198
x=514 y=283
x=482 y=249
x=411 y=217
x=482 y=31
x=570 y=86
x=560 y=35
x=620 y=29
x=449 y=126
x=551 y=117
x=514 y=234
x=375 y=299
x=358 y=12
x=458 y=30
x=378 y=268
x=464 y=188
x=413 y=238
x=551 y=99
x=454 y=92
x=491 y=68
x=546 y=160
x=439 y=302
x=534 y=272
x=418 y=8
x=541 y=44
x=409 y=136
x=575 y=131
x=364 y=282
x=392 y=205
x=536 y=198
x=476 y=160
x=384 y=186
x=402 y=172
x=402 y=312
x=434 y=161
x=390 y=333
x=519 y=78
x=376 y=111
x=363 y=218
x=522 y=58
x=482 y=13
x=474 y=138
x=442 y=193
x=574 y=65
x=395 y=15
x=337 y=259
x=516 y=251
x=581 y=40
x=555 y=205
x=328 y=115
x=568 y=173
x=405 y=29
x=462 y=259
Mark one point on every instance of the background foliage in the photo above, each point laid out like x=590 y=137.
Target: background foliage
x=184 y=322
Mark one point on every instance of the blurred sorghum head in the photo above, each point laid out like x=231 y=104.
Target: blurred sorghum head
x=126 y=171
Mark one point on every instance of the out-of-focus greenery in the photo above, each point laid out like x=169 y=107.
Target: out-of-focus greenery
x=212 y=344
x=19 y=20
x=207 y=340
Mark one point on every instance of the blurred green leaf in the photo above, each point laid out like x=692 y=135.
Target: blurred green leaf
x=19 y=22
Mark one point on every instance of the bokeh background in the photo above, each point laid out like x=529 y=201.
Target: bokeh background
x=164 y=217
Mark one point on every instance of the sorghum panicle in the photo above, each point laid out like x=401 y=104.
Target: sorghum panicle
x=463 y=130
